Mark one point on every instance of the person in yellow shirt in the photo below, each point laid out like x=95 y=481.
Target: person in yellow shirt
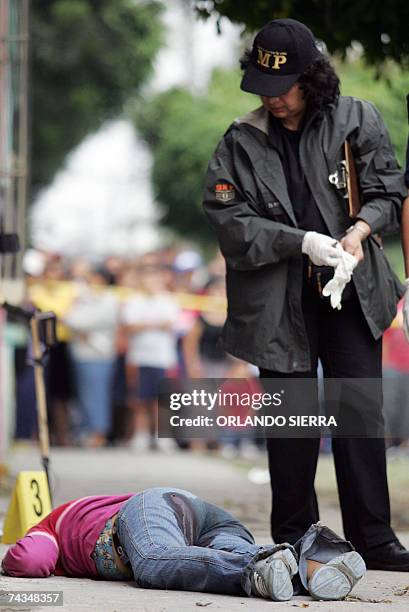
x=52 y=292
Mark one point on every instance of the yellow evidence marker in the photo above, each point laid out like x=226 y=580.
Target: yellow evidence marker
x=30 y=503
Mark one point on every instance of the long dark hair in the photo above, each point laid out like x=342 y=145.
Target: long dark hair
x=319 y=81
x=320 y=84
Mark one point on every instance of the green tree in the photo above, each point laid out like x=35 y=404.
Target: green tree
x=87 y=58
x=382 y=28
x=388 y=96
x=183 y=129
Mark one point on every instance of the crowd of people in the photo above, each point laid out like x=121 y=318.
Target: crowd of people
x=122 y=326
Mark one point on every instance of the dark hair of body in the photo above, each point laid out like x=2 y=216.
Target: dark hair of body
x=319 y=82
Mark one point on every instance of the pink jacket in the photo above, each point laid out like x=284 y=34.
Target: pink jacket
x=63 y=542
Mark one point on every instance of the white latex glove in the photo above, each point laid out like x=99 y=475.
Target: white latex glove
x=342 y=275
x=321 y=249
x=405 y=310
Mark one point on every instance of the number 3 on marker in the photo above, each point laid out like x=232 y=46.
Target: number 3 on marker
x=38 y=504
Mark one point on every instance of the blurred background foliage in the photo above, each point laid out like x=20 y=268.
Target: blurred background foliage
x=90 y=57
x=87 y=58
x=388 y=94
x=380 y=27
x=183 y=128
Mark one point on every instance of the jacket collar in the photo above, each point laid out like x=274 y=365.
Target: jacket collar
x=257 y=118
x=260 y=119
x=268 y=164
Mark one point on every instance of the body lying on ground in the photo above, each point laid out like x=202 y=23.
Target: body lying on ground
x=168 y=538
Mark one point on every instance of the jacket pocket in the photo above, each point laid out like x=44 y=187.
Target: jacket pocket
x=276 y=211
x=386 y=170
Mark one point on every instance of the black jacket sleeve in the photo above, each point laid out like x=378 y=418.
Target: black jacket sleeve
x=248 y=238
x=380 y=177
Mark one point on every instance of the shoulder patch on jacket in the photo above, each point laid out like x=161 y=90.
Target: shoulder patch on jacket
x=224 y=192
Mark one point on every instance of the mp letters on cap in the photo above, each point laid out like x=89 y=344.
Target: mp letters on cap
x=271 y=59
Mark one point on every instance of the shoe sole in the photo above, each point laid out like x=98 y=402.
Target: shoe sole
x=282 y=587
x=337 y=578
x=285 y=567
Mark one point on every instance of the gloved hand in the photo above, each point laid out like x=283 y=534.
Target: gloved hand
x=342 y=275
x=321 y=249
x=406 y=310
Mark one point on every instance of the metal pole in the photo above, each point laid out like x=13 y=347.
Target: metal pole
x=15 y=119
x=43 y=434
x=23 y=136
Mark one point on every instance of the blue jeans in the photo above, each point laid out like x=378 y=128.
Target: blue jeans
x=94 y=390
x=175 y=540
x=318 y=543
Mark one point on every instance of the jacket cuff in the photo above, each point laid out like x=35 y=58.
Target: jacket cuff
x=371 y=216
x=380 y=215
x=293 y=247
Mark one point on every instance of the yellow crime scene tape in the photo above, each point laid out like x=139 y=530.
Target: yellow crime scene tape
x=58 y=297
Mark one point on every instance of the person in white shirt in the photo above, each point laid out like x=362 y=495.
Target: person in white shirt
x=149 y=319
x=93 y=321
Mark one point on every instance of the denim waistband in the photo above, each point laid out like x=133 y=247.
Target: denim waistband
x=104 y=555
x=319 y=543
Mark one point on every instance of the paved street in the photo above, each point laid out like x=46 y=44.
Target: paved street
x=80 y=472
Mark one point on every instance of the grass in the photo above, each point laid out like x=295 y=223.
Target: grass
x=398 y=477
x=393 y=251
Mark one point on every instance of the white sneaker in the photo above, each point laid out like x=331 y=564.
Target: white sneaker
x=337 y=578
x=229 y=451
x=139 y=442
x=271 y=577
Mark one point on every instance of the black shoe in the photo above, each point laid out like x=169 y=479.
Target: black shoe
x=390 y=557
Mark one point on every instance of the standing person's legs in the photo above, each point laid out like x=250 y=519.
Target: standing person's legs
x=59 y=382
x=80 y=386
x=348 y=350
x=148 y=391
x=293 y=461
x=360 y=466
x=94 y=387
x=131 y=376
x=175 y=540
x=100 y=413
x=292 y=464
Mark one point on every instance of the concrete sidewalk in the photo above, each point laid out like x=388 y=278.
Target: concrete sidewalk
x=81 y=472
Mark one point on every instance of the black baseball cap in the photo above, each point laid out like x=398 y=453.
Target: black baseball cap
x=281 y=52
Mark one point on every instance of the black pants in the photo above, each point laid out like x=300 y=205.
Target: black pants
x=344 y=344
